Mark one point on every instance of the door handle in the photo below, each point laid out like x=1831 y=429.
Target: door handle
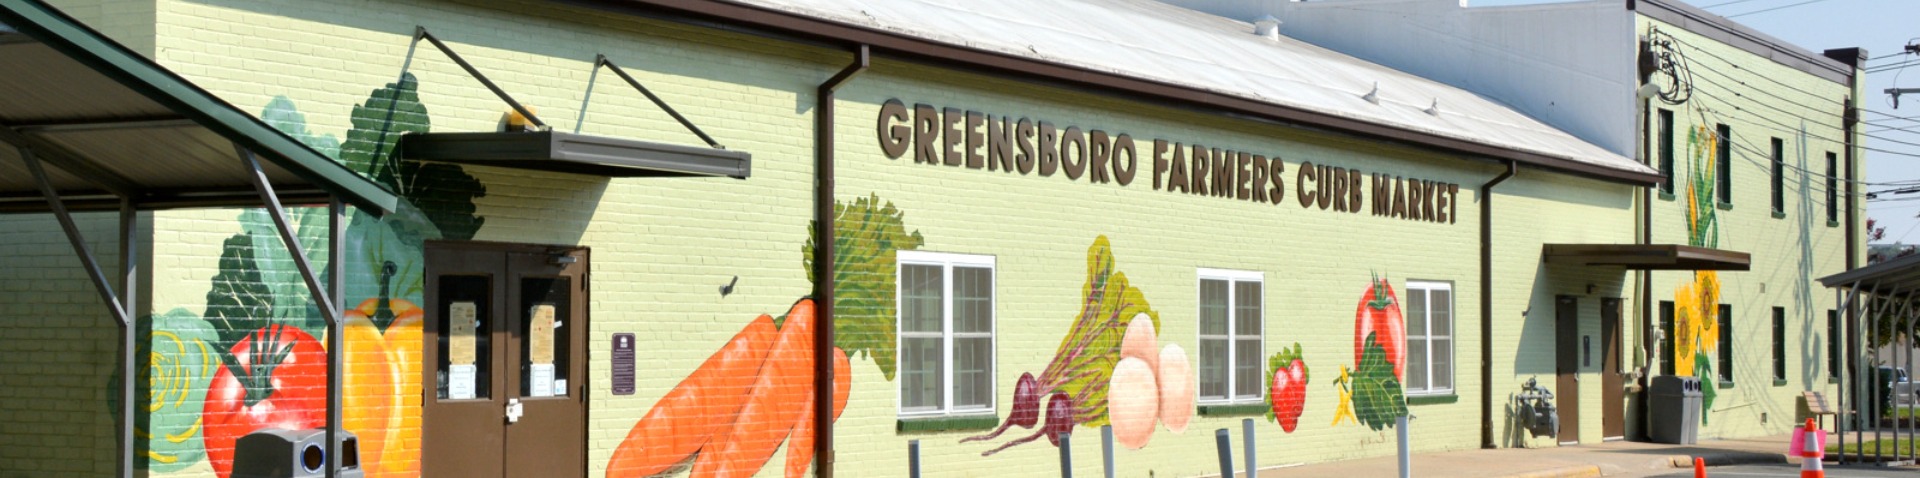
x=514 y=410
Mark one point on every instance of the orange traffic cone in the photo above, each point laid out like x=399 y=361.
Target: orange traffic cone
x=1699 y=467
x=1810 y=453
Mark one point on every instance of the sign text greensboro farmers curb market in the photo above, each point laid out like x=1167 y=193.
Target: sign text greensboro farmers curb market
x=953 y=137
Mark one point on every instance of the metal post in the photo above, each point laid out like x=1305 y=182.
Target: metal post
x=124 y=462
x=1066 y=455
x=328 y=307
x=1253 y=463
x=129 y=333
x=337 y=275
x=913 y=459
x=1221 y=442
x=1406 y=448
x=1106 y=449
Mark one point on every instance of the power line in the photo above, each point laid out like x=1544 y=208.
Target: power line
x=1736 y=66
x=1808 y=2
x=1722 y=4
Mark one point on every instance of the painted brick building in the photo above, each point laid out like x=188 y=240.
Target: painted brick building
x=1171 y=221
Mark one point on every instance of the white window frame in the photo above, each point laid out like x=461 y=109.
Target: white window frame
x=947 y=261
x=1453 y=336
x=1233 y=339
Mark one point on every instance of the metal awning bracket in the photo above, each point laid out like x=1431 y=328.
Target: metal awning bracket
x=420 y=32
x=600 y=60
x=73 y=236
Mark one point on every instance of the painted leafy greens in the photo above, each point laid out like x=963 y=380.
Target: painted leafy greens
x=867 y=237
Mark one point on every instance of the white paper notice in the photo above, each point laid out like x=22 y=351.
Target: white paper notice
x=461 y=347
x=460 y=381
x=541 y=382
x=560 y=387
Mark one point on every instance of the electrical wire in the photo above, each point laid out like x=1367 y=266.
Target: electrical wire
x=1722 y=4
x=1736 y=65
x=1808 y=2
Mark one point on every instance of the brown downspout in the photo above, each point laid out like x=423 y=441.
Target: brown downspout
x=1646 y=276
x=1486 y=304
x=823 y=262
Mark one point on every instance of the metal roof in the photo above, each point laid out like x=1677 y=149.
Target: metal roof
x=113 y=123
x=1653 y=257
x=1901 y=273
x=1156 y=42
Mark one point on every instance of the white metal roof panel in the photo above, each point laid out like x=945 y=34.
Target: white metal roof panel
x=1154 y=41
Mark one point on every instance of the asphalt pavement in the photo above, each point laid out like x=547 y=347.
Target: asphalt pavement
x=1793 y=471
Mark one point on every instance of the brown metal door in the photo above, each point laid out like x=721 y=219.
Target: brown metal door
x=506 y=352
x=547 y=350
x=461 y=412
x=1613 y=394
x=1567 y=356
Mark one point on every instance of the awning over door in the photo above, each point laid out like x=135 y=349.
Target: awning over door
x=1647 y=256
x=113 y=124
x=575 y=153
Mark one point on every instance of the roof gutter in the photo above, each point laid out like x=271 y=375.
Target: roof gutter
x=788 y=25
x=1486 y=304
x=823 y=264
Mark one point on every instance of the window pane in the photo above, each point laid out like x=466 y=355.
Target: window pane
x=1442 y=364
x=1666 y=330
x=972 y=372
x=1213 y=307
x=1779 y=343
x=1726 y=342
x=465 y=342
x=1246 y=296
x=920 y=289
x=1213 y=368
x=1442 y=312
x=1416 y=365
x=920 y=373
x=545 y=348
x=1416 y=313
x=1247 y=367
x=972 y=299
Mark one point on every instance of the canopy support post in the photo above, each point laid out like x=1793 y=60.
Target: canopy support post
x=105 y=288
x=328 y=307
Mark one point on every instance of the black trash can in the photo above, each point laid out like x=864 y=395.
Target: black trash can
x=1673 y=410
x=280 y=453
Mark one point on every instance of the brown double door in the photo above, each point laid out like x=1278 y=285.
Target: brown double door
x=1567 y=365
x=505 y=361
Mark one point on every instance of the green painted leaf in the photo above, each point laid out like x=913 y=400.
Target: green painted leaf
x=1378 y=400
x=1703 y=370
x=239 y=300
x=1083 y=365
x=442 y=193
x=867 y=238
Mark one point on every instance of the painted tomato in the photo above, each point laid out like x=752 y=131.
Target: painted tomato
x=1379 y=314
x=277 y=378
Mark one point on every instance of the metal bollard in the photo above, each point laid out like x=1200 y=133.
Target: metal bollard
x=1106 y=448
x=1246 y=425
x=1066 y=455
x=1406 y=454
x=913 y=459
x=1221 y=439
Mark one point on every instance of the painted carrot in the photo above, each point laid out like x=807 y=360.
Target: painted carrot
x=701 y=407
x=800 y=445
x=778 y=398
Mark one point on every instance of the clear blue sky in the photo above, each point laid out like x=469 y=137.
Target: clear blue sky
x=1882 y=27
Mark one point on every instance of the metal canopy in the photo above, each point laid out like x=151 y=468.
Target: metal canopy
x=1901 y=273
x=113 y=124
x=1657 y=257
x=575 y=153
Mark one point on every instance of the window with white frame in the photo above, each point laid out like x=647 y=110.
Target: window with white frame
x=1232 y=309
x=1429 y=312
x=946 y=324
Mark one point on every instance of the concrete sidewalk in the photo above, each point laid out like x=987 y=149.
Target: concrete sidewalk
x=1604 y=459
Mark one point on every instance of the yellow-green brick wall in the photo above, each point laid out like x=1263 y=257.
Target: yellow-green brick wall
x=1760 y=99
x=663 y=246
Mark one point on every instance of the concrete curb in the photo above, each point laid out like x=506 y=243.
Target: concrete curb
x=1582 y=471
x=1727 y=458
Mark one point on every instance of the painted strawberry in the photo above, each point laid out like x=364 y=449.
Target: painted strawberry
x=1288 y=390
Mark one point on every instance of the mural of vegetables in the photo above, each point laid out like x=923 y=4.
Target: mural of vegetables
x=1287 y=388
x=274 y=377
x=730 y=415
x=867 y=238
x=1696 y=324
x=1370 y=392
x=1110 y=346
x=178 y=364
